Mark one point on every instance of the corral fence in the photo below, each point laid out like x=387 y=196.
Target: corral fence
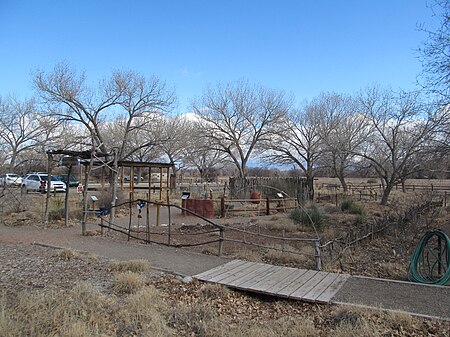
x=367 y=192
x=256 y=206
x=271 y=187
x=205 y=233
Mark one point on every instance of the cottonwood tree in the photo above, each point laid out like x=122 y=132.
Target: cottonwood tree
x=401 y=128
x=296 y=140
x=343 y=131
x=435 y=53
x=177 y=134
x=142 y=101
x=24 y=129
x=69 y=98
x=236 y=119
x=202 y=156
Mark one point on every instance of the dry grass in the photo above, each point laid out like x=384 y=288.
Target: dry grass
x=82 y=311
x=127 y=283
x=286 y=327
x=395 y=271
x=209 y=290
x=135 y=266
x=66 y=254
x=86 y=311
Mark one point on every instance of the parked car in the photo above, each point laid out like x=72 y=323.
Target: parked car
x=71 y=180
x=10 y=179
x=38 y=182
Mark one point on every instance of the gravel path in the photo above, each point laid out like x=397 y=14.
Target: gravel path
x=169 y=259
x=425 y=300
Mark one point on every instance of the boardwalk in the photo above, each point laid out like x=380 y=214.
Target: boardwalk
x=299 y=284
x=314 y=286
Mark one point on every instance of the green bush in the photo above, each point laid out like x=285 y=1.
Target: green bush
x=310 y=216
x=351 y=207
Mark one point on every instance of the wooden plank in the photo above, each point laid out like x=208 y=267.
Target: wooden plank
x=256 y=277
x=276 y=278
x=228 y=272
x=315 y=292
x=243 y=269
x=329 y=293
x=308 y=285
x=299 y=282
x=215 y=271
x=275 y=289
x=250 y=273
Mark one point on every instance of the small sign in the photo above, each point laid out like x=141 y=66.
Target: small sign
x=80 y=188
x=94 y=198
x=280 y=195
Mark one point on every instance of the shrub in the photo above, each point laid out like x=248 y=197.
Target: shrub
x=312 y=216
x=351 y=207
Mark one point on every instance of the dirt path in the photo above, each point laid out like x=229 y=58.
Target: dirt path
x=169 y=259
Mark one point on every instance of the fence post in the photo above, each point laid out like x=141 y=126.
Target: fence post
x=170 y=226
x=101 y=225
x=147 y=216
x=318 y=254
x=131 y=214
x=158 y=212
x=222 y=207
x=267 y=206
x=220 y=242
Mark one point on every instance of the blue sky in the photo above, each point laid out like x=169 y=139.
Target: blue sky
x=303 y=47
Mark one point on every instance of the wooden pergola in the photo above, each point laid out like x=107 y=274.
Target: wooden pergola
x=96 y=159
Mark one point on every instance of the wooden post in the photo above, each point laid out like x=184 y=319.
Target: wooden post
x=66 y=199
x=131 y=214
x=158 y=211
x=168 y=237
x=102 y=223
x=222 y=207
x=112 y=211
x=220 y=242
x=168 y=187
x=160 y=183
x=267 y=206
x=147 y=218
x=318 y=254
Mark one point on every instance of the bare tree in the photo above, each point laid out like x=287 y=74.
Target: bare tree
x=296 y=140
x=68 y=98
x=435 y=53
x=204 y=157
x=178 y=134
x=343 y=131
x=125 y=95
x=402 y=127
x=237 y=117
x=142 y=100
x=24 y=129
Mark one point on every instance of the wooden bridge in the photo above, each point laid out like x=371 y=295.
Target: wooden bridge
x=300 y=284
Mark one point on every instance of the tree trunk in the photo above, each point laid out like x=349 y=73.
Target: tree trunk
x=310 y=186
x=386 y=193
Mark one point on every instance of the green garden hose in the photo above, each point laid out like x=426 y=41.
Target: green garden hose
x=430 y=262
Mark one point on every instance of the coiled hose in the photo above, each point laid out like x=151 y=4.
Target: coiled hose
x=430 y=262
